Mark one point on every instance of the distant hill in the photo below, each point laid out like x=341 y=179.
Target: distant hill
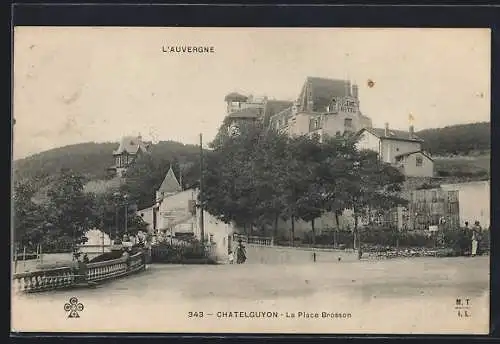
x=458 y=140
x=91 y=159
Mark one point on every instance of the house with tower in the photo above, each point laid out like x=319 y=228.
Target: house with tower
x=175 y=212
x=173 y=207
x=130 y=148
x=324 y=107
x=242 y=109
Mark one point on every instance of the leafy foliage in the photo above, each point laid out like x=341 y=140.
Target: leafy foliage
x=64 y=218
x=259 y=175
x=69 y=212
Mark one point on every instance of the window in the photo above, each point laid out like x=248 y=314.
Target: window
x=348 y=123
x=314 y=124
x=338 y=134
x=419 y=161
x=397 y=149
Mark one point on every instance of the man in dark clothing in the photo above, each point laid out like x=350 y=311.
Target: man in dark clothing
x=241 y=253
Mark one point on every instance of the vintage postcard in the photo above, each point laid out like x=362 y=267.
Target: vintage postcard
x=251 y=180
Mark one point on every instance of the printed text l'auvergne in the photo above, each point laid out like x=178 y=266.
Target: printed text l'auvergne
x=188 y=49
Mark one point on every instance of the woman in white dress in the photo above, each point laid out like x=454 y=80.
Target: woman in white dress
x=474 y=243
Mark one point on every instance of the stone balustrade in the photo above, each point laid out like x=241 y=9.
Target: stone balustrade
x=64 y=277
x=35 y=281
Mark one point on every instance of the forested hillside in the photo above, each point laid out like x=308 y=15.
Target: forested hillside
x=92 y=159
x=462 y=139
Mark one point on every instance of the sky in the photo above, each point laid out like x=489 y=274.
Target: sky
x=74 y=85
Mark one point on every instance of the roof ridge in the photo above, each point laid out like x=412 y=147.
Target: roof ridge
x=170 y=182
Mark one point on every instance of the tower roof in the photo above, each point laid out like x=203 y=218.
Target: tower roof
x=235 y=97
x=131 y=145
x=170 y=184
x=323 y=90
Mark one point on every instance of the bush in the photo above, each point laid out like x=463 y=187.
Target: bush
x=379 y=236
x=167 y=253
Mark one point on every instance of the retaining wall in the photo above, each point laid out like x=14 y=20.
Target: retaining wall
x=260 y=254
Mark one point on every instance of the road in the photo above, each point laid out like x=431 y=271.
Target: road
x=393 y=296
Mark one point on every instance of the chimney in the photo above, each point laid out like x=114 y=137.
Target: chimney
x=355 y=91
x=412 y=131
x=386 y=132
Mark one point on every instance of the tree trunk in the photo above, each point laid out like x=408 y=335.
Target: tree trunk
x=354 y=231
x=357 y=236
x=313 y=233
x=275 y=230
x=337 y=229
x=292 y=231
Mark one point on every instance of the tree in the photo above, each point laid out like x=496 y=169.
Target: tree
x=70 y=212
x=303 y=187
x=370 y=184
x=28 y=217
x=259 y=175
x=229 y=180
x=269 y=171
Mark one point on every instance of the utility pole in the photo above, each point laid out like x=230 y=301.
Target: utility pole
x=202 y=222
x=126 y=217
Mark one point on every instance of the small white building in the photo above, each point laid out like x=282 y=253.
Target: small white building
x=173 y=209
x=402 y=149
x=474 y=202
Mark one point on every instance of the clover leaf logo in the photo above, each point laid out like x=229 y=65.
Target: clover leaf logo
x=73 y=307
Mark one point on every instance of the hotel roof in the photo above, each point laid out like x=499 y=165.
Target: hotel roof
x=324 y=90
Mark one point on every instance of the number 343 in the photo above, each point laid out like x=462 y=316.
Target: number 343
x=195 y=314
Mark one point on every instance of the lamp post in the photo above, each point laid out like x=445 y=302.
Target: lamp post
x=125 y=197
x=116 y=195
x=120 y=200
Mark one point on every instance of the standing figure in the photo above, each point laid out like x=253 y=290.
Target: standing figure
x=479 y=231
x=241 y=253
x=474 y=241
x=231 y=257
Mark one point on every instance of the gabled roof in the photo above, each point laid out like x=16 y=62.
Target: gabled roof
x=170 y=184
x=131 y=145
x=235 y=97
x=272 y=107
x=246 y=113
x=393 y=134
x=324 y=90
x=415 y=152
